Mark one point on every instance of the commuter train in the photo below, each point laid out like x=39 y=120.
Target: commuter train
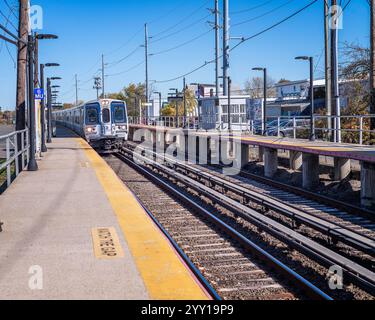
x=103 y=123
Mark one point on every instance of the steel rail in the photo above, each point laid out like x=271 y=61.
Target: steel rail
x=310 y=289
x=333 y=230
x=204 y=282
x=358 y=274
x=347 y=207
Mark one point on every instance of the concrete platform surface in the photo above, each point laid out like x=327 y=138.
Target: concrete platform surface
x=47 y=248
x=329 y=149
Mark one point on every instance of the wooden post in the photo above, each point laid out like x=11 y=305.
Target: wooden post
x=21 y=70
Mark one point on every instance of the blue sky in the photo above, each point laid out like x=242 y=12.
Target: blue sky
x=87 y=29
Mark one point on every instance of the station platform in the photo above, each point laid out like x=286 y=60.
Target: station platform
x=328 y=149
x=73 y=230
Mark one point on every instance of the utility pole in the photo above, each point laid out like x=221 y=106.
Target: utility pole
x=146 y=60
x=372 y=71
x=217 y=47
x=76 y=77
x=21 y=72
x=328 y=68
x=226 y=38
x=335 y=66
x=103 y=75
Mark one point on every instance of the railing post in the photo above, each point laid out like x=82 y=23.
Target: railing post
x=27 y=147
x=278 y=126
x=16 y=154
x=23 y=149
x=294 y=128
x=313 y=128
x=361 y=130
x=9 y=180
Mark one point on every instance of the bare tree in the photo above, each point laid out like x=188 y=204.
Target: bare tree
x=254 y=87
x=356 y=62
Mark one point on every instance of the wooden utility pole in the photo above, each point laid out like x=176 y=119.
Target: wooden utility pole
x=372 y=71
x=23 y=27
x=328 y=67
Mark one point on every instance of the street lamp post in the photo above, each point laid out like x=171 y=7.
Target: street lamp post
x=43 y=105
x=312 y=120
x=32 y=166
x=265 y=94
x=49 y=108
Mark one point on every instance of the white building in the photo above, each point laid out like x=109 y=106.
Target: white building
x=213 y=113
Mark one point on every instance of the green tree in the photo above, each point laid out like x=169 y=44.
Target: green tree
x=191 y=105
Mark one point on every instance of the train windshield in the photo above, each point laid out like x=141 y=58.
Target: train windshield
x=92 y=115
x=118 y=112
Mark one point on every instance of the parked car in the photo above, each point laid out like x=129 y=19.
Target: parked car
x=286 y=128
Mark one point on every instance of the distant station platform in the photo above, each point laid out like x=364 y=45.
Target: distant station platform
x=329 y=149
x=72 y=230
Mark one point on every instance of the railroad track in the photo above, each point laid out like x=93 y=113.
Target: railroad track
x=336 y=225
x=234 y=265
x=204 y=182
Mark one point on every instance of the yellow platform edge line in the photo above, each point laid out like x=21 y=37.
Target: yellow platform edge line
x=165 y=275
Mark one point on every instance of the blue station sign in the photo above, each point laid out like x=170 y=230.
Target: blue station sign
x=39 y=94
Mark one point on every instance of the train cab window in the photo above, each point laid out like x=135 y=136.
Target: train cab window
x=106 y=116
x=92 y=115
x=118 y=112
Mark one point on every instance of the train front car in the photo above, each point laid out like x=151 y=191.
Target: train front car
x=92 y=129
x=114 y=125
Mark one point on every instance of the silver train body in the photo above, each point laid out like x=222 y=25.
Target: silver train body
x=103 y=123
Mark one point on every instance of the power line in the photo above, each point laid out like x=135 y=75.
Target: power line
x=182 y=44
x=181 y=21
x=10 y=8
x=182 y=29
x=263 y=15
x=126 y=71
x=7 y=20
x=127 y=42
x=274 y=25
x=243 y=41
x=252 y=8
x=168 y=13
x=112 y=64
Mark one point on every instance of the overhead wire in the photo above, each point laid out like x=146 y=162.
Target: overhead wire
x=241 y=42
x=263 y=15
x=252 y=8
x=181 y=21
x=182 y=44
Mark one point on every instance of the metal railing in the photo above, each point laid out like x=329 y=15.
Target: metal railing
x=343 y=129
x=9 y=164
x=167 y=121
